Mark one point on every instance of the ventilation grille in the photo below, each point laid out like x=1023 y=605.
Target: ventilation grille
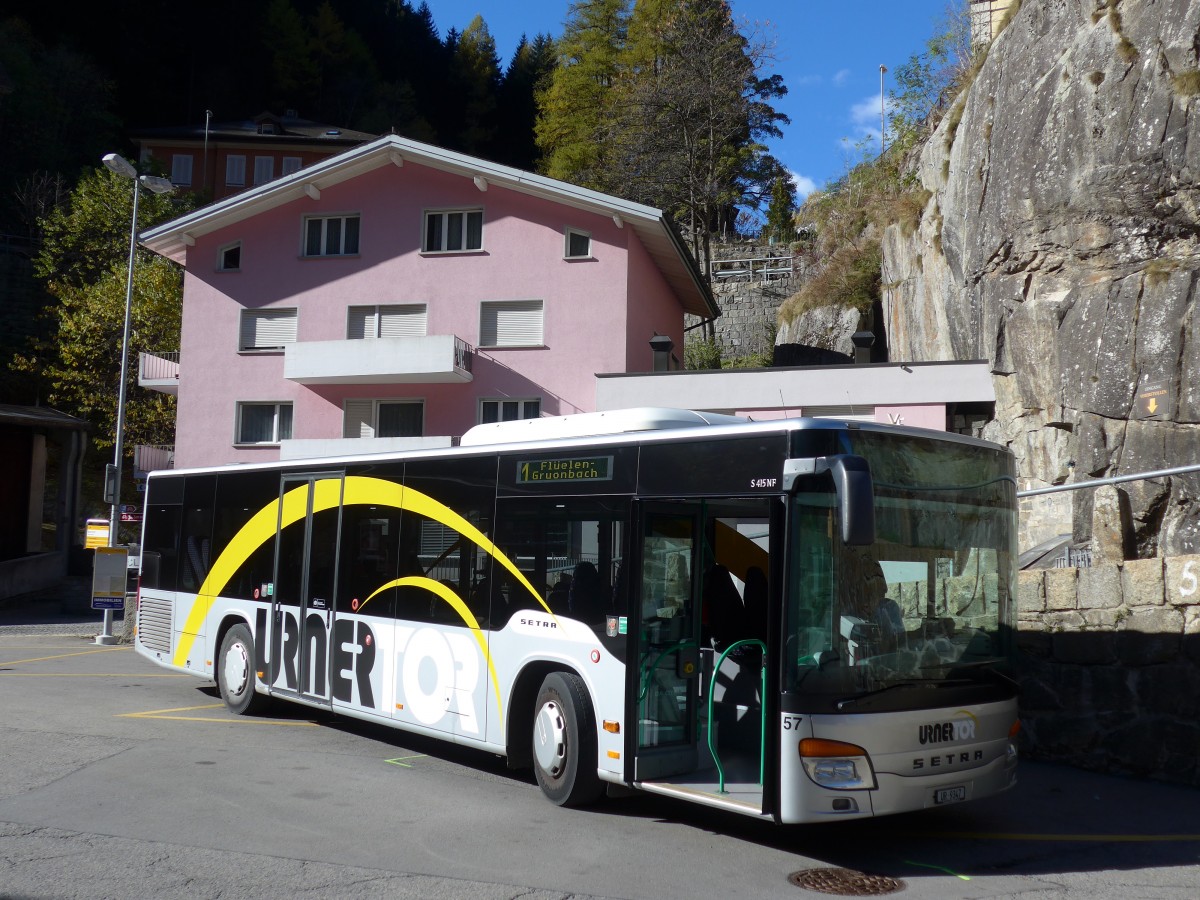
x=154 y=624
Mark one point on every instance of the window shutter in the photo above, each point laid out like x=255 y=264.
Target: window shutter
x=181 y=168
x=235 y=170
x=358 y=419
x=516 y=323
x=409 y=320
x=361 y=323
x=264 y=169
x=267 y=329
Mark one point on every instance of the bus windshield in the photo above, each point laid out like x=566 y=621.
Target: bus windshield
x=930 y=603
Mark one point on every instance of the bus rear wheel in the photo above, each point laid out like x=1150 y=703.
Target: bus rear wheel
x=564 y=742
x=235 y=672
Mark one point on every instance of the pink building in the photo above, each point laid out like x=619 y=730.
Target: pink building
x=397 y=294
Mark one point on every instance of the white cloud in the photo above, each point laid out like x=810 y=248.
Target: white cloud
x=803 y=184
x=865 y=121
x=841 y=77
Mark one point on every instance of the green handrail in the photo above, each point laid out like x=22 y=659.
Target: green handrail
x=762 y=713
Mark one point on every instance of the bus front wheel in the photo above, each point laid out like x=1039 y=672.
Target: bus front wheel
x=564 y=742
x=235 y=672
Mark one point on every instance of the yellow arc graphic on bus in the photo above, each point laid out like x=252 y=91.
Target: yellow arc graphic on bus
x=464 y=612
x=328 y=493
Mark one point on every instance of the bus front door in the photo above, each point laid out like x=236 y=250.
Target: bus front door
x=668 y=634
x=305 y=581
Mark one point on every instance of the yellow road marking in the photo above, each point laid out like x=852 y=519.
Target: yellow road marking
x=17 y=662
x=93 y=675
x=399 y=760
x=161 y=714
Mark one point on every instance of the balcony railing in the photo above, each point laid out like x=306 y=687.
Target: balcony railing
x=159 y=371
x=152 y=458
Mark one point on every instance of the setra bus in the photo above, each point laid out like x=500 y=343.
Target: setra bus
x=798 y=620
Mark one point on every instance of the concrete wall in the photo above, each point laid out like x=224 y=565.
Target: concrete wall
x=1110 y=667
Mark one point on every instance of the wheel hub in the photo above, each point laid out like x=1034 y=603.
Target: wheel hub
x=237 y=670
x=550 y=745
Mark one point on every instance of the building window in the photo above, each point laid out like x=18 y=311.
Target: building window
x=408 y=320
x=453 y=230
x=267 y=329
x=181 y=168
x=383 y=418
x=264 y=423
x=292 y=164
x=235 y=171
x=229 y=258
x=508 y=410
x=264 y=169
x=510 y=323
x=331 y=236
x=578 y=245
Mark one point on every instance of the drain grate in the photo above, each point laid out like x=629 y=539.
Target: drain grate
x=845 y=882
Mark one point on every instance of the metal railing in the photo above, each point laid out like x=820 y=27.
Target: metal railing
x=1081 y=558
x=162 y=366
x=763 y=268
x=152 y=458
x=463 y=354
x=1116 y=479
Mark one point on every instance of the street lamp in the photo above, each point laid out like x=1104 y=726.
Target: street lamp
x=153 y=183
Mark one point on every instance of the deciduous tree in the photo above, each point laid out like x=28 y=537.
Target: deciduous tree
x=83 y=264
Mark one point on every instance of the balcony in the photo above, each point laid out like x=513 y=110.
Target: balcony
x=432 y=359
x=159 y=372
x=151 y=458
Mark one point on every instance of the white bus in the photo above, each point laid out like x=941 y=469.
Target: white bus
x=800 y=620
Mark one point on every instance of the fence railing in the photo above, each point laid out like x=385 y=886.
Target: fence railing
x=762 y=268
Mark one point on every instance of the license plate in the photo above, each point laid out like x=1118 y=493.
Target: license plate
x=950 y=795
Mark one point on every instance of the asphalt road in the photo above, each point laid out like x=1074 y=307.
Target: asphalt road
x=121 y=779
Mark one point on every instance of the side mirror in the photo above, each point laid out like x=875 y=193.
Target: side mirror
x=854 y=488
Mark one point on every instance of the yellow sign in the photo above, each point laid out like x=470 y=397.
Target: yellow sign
x=95 y=534
x=1152 y=400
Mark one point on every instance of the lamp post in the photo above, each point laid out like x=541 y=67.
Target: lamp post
x=153 y=183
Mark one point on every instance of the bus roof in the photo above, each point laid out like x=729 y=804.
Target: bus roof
x=617 y=421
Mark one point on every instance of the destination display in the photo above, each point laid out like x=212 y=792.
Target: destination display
x=548 y=471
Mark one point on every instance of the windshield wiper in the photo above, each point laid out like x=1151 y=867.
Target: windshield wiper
x=987 y=665
x=855 y=698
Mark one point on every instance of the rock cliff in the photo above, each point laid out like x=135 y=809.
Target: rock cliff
x=1061 y=244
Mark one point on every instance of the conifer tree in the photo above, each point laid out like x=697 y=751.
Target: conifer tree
x=527 y=73
x=693 y=110
x=576 y=104
x=476 y=78
x=781 y=214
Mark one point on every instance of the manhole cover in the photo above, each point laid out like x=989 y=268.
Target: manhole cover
x=845 y=882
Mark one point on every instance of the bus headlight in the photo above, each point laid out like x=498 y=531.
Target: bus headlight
x=837 y=765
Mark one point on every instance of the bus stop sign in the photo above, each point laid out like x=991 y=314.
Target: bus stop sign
x=108 y=578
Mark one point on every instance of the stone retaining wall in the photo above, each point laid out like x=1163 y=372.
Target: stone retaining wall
x=1110 y=667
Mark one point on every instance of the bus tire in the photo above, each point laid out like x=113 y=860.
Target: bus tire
x=235 y=672
x=564 y=741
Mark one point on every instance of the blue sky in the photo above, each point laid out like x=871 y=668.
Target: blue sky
x=828 y=52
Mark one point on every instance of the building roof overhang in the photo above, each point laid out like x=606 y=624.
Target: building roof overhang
x=653 y=228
